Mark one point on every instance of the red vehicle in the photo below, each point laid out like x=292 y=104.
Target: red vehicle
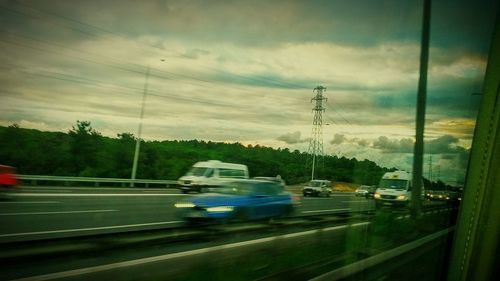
x=8 y=176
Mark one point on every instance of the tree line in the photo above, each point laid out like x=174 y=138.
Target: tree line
x=83 y=151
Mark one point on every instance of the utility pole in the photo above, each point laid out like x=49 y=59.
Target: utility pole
x=316 y=142
x=139 y=130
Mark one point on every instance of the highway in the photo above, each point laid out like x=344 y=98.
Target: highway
x=33 y=213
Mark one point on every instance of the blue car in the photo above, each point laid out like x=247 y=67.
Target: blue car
x=239 y=200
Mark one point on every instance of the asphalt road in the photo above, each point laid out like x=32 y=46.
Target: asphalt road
x=44 y=212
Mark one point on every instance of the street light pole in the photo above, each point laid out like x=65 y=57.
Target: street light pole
x=139 y=131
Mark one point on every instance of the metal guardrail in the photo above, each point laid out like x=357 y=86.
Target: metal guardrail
x=96 y=181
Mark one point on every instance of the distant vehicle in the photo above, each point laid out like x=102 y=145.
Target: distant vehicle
x=447 y=196
x=8 y=176
x=394 y=189
x=277 y=179
x=437 y=195
x=366 y=191
x=239 y=200
x=318 y=188
x=210 y=174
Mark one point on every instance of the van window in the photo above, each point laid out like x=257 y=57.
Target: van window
x=229 y=173
x=393 y=184
x=209 y=173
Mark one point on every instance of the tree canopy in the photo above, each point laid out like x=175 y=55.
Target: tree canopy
x=85 y=152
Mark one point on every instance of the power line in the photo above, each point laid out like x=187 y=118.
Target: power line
x=341 y=116
x=122 y=89
x=272 y=81
x=114 y=63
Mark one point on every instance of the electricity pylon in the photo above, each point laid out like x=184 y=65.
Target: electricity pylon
x=316 y=142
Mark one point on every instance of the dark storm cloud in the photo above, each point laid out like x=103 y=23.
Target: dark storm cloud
x=338 y=139
x=446 y=145
x=261 y=22
x=393 y=145
x=443 y=144
x=292 y=138
x=363 y=142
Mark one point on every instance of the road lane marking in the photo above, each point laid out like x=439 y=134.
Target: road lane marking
x=86 y=229
x=46 y=190
x=89 y=194
x=141 y=261
x=329 y=210
x=49 y=188
x=56 y=213
x=31 y=202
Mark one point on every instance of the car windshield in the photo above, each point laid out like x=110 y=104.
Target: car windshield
x=393 y=184
x=197 y=171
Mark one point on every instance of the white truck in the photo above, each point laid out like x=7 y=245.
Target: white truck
x=394 y=189
x=206 y=175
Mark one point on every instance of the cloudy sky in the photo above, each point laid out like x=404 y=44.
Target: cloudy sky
x=244 y=71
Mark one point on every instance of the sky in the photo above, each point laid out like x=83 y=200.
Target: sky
x=244 y=71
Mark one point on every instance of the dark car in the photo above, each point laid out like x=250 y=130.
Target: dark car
x=239 y=200
x=438 y=195
x=366 y=191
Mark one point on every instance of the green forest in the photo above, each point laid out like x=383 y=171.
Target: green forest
x=83 y=151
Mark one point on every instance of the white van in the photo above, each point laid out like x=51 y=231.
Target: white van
x=394 y=189
x=209 y=174
x=318 y=188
